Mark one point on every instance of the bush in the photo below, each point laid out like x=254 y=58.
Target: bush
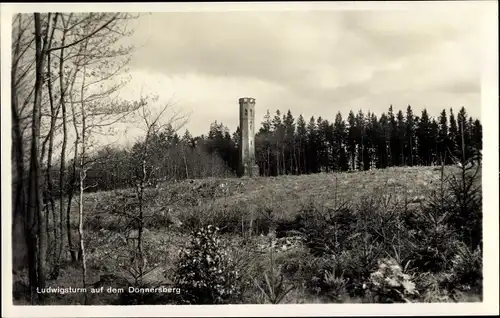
x=389 y=284
x=271 y=282
x=433 y=247
x=466 y=206
x=204 y=272
x=466 y=271
x=430 y=288
x=326 y=231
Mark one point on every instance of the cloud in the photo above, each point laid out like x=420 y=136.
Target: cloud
x=312 y=62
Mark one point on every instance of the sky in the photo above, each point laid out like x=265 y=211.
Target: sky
x=315 y=63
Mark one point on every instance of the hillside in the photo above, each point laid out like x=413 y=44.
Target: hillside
x=290 y=191
x=249 y=213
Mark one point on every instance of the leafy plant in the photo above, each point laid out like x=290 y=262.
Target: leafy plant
x=204 y=272
x=275 y=288
x=337 y=285
x=389 y=284
x=466 y=270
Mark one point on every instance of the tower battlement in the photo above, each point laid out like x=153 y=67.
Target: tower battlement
x=248 y=100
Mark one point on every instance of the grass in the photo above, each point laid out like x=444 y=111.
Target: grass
x=329 y=266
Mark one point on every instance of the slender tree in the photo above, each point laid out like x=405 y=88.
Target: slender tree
x=425 y=139
x=453 y=135
x=302 y=144
x=443 y=140
x=410 y=136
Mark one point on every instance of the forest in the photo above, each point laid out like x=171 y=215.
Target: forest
x=291 y=146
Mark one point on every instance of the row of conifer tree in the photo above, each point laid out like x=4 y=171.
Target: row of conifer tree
x=288 y=145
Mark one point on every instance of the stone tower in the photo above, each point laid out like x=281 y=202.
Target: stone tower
x=247 y=166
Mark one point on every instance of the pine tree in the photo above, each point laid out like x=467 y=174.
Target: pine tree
x=278 y=149
x=264 y=144
x=330 y=144
x=384 y=141
x=443 y=139
x=340 y=143
x=433 y=141
x=322 y=143
x=372 y=135
x=410 y=136
x=236 y=136
x=453 y=136
x=477 y=137
x=401 y=124
x=360 y=140
x=290 y=151
x=266 y=124
x=312 y=147
x=424 y=138
x=352 y=139
x=463 y=131
x=302 y=144
x=395 y=150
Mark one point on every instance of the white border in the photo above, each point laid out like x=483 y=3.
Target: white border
x=489 y=104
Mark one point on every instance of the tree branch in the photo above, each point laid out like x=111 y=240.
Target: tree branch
x=85 y=37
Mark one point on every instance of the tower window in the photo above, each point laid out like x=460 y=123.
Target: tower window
x=246 y=112
x=250 y=112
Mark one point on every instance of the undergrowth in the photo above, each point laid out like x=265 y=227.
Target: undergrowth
x=394 y=242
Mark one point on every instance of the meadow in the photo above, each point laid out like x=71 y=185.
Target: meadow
x=406 y=234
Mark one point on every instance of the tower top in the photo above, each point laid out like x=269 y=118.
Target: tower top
x=247 y=100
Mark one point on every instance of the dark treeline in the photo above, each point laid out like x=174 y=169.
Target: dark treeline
x=288 y=145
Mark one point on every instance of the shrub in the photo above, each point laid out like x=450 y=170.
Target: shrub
x=273 y=286
x=389 y=284
x=429 y=286
x=466 y=205
x=326 y=231
x=466 y=271
x=162 y=219
x=204 y=272
x=335 y=285
x=432 y=247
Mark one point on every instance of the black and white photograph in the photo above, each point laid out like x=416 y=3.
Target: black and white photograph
x=239 y=154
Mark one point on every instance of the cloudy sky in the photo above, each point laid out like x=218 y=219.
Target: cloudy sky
x=314 y=62
x=311 y=62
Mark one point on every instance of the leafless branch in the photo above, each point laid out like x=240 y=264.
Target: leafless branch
x=85 y=37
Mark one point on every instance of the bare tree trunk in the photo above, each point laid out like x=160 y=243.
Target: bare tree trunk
x=72 y=250
x=185 y=162
x=81 y=254
x=296 y=160
x=277 y=156
x=140 y=197
x=283 y=168
x=19 y=238
x=81 y=233
x=304 y=153
x=411 y=151
x=62 y=168
x=268 y=161
x=53 y=118
x=299 y=159
x=35 y=213
x=141 y=214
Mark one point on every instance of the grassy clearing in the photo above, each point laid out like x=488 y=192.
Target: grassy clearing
x=351 y=228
